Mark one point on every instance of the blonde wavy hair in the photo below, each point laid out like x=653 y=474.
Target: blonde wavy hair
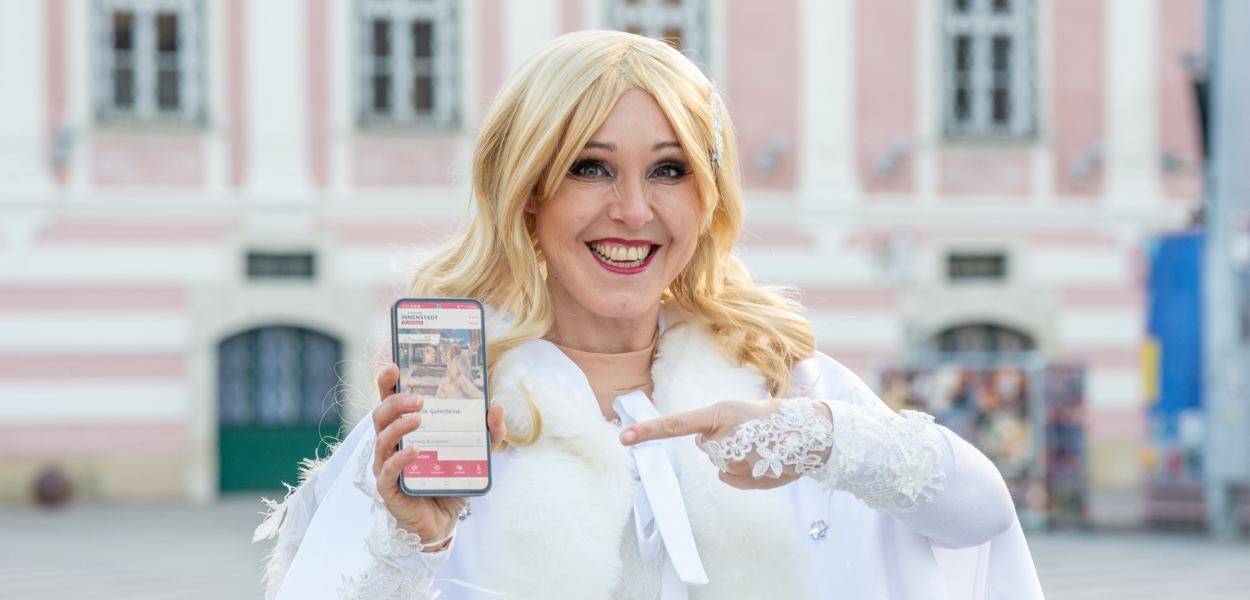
x=542 y=118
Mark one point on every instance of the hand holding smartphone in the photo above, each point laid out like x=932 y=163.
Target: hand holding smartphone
x=439 y=346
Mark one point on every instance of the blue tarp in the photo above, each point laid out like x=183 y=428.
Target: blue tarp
x=1175 y=321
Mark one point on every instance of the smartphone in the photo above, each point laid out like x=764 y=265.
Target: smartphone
x=439 y=345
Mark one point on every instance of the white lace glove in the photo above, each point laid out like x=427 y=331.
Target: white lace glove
x=882 y=458
x=791 y=441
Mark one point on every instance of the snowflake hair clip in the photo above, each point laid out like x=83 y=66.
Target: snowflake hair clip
x=718 y=148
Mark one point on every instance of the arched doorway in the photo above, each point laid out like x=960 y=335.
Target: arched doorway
x=278 y=402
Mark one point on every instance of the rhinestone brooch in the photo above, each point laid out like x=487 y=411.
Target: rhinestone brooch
x=818 y=531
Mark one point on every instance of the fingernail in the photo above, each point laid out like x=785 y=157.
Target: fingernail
x=414 y=401
x=629 y=436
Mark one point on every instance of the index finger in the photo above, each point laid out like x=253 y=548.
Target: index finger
x=699 y=420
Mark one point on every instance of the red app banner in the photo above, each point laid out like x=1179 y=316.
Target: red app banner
x=428 y=464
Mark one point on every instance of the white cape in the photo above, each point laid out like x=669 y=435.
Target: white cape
x=557 y=522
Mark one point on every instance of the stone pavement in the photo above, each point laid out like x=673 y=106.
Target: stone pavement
x=191 y=553
x=1141 y=566
x=166 y=552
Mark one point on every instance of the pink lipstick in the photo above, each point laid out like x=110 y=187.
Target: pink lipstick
x=623 y=256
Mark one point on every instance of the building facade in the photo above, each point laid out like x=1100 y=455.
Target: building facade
x=197 y=194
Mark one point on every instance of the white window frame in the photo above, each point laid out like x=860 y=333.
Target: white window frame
x=146 y=62
x=402 y=66
x=981 y=24
x=652 y=17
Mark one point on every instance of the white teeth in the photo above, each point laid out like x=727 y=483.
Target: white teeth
x=621 y=254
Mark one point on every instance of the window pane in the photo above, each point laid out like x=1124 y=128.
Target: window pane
x=381 y=38
x=382 y=93
x=1000 y=98
x=422 y=39
x=1002 y=6
x=1002 y=105
x=963 y=53
x=123 y=30
x=167 y=89
x=123 y=88
x=168 y=77
x=234 y=361
x=1001 y=53
x=167 y=32
x=963 y=108
x=673 y=2
x=978 y=266
x=277 y=384
x=961 y=5
x=423 y=93
x=281 y=265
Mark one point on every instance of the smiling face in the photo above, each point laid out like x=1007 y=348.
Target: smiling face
x=624 y=221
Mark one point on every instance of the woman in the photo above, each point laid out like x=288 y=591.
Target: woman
x=607 y=203
x=457 y=383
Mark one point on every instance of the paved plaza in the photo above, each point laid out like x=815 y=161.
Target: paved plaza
x=185 y=553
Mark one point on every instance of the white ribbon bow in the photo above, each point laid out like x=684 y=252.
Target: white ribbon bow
x=659 y=513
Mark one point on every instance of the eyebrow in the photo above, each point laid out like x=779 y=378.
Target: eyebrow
x=610 y=147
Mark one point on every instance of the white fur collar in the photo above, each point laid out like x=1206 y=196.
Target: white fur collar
x=568 y=497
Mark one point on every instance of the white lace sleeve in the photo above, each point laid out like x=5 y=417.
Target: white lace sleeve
x=890 y=461
x=790 y=441
x=398 y=569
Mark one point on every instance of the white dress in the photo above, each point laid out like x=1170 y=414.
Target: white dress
x=906 y=509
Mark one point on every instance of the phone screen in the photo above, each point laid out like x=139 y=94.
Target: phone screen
x=441 y=353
